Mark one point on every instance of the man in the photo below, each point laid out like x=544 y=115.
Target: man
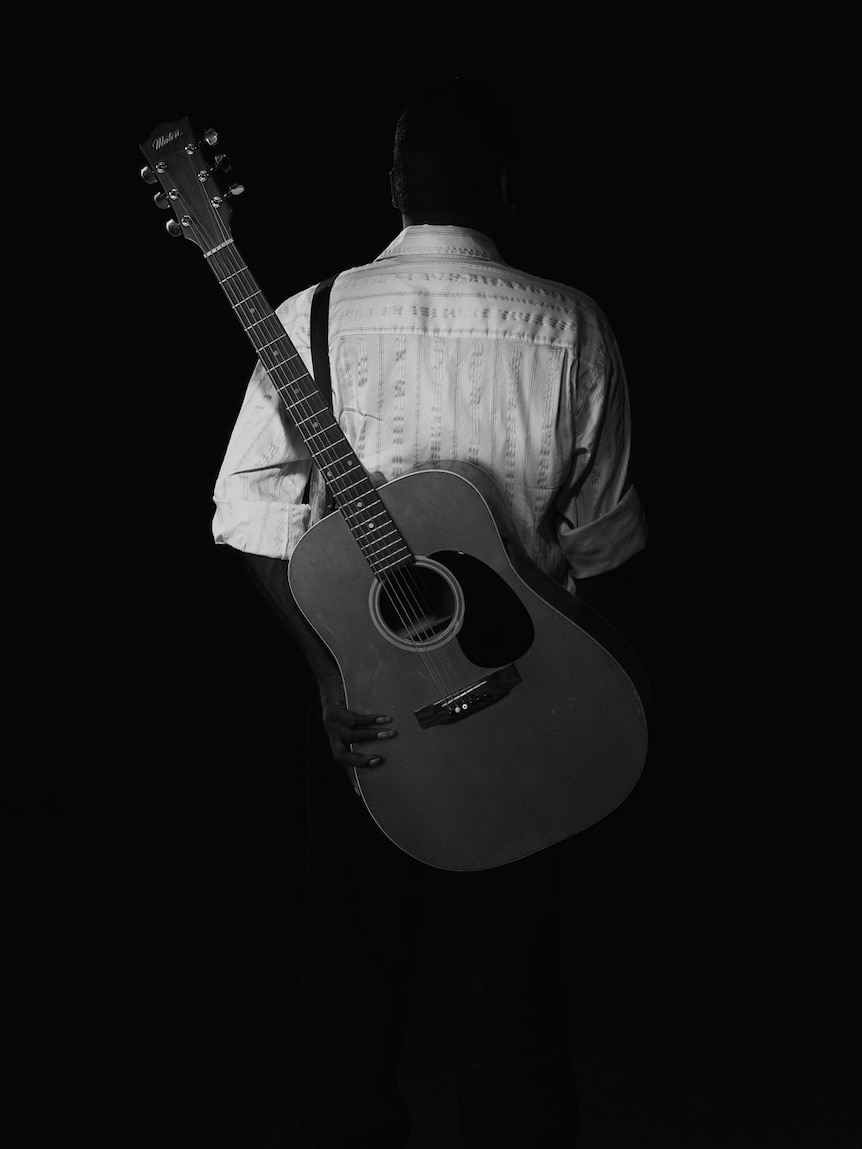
x=439 y=350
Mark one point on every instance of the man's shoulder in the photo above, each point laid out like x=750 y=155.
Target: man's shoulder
x=557 y=290
x=492 y=276
x=569 y=309
x=506 y=286
x=297 y=307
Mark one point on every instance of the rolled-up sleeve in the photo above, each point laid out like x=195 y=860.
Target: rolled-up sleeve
x=261 y=503
x=600 y=519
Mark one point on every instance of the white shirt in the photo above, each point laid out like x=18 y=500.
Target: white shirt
x=439 y=350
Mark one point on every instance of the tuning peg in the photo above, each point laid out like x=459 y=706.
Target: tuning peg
x=211 y=136
x=148 y=175
x=233 y=190
x=173 y=228
x=221 y=163
x=161 y=200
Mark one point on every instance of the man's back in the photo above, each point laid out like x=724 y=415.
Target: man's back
x=439 y=351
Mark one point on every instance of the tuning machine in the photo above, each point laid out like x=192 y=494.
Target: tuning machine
x=150 y=175
x=232 y=191
x=162 y=199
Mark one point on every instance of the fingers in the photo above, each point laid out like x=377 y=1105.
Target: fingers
x=358 y=723
x=346 y=728
x=341 y=742
x=350 y=758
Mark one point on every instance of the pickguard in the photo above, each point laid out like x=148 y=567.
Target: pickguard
x=497 y=628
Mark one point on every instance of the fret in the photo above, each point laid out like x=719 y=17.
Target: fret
x=239 y=271
x=378 y=542
x=366 y=523
x=370 y=547
x=257 y=322
x=240 y=302
x=366 y=527
x=358 y=483
x=291 y=385
x=363 y=524
x=297 y=395
x=288 y=362
x=386 y=568
x=391 y=566
x=272 y=343
x=279 y=369
x=372 y=537
x=376 y=515
x=332 y=426
x=317 y=435
x=293 y=403
x=377 y=551
x=368 y=517
x=340 y=459
x=386 y=546
x=382 y=568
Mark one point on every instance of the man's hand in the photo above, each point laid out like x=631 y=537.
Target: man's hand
x=344 y=727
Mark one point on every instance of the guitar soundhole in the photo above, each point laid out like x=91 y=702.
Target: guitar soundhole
x=418 y=608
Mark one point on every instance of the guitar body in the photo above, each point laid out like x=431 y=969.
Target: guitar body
x=517 y=726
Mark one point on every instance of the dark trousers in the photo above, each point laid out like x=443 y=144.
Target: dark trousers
x=362 y=899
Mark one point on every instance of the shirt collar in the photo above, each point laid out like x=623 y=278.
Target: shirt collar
x=442 y=240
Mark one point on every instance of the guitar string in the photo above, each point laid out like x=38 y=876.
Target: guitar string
x=408 y=611
x=403 y=584
x=407 y=592
x=304 y=409
x=403 y=588
x=370 y=521
x=412 y=590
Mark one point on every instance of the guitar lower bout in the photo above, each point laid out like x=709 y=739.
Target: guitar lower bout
x=517 y=726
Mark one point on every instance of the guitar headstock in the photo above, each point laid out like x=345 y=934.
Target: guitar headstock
x=189 y=172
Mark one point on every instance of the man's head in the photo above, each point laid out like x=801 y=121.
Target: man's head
x=452 y=157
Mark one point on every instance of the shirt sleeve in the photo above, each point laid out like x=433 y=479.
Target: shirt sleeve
x=600 y=519
x=261 y=505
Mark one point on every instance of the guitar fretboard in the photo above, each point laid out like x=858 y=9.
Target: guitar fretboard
x=374 y=530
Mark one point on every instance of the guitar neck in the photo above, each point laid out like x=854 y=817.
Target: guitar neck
x=356 y=498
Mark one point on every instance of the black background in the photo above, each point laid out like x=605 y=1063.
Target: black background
x=158 y=814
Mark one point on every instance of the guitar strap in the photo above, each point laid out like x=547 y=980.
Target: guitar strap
x=320 y=337
x=320 y=355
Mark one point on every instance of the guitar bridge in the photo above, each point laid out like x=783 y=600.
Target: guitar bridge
x=456 y=707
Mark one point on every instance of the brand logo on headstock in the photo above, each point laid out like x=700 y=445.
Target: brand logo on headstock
x=160 y=141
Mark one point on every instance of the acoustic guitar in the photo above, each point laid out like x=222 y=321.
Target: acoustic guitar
x=519 y=710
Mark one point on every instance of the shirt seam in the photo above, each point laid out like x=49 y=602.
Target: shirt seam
x=461 y=333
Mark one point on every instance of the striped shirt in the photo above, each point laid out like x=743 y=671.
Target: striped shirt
x=441 y=351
